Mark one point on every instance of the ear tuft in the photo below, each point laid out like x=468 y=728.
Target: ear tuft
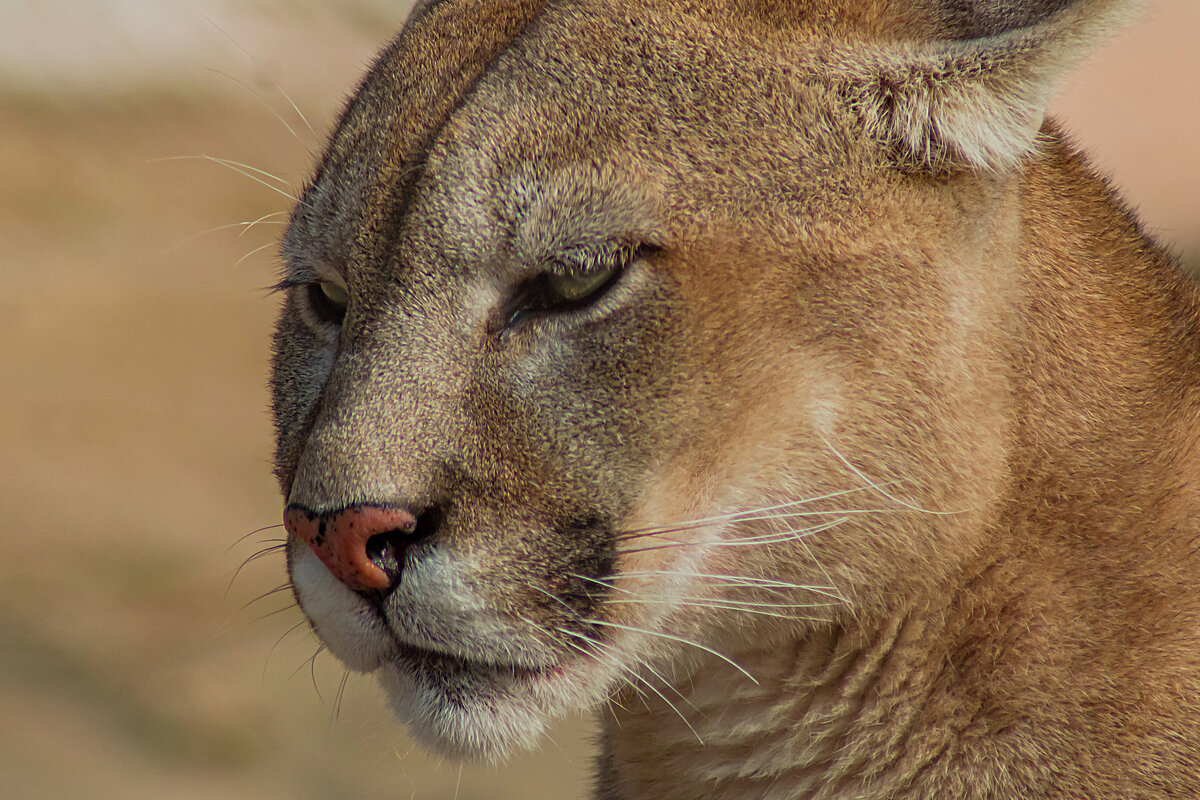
x=976 y=103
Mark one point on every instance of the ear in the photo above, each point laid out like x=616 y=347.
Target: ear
x=975 y=103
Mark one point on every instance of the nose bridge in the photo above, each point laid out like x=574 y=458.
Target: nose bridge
x=387 y=418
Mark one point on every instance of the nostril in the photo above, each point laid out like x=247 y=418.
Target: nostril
x=364 y=545
x=386 y=551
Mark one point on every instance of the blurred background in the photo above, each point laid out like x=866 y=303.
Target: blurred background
x=138 y=140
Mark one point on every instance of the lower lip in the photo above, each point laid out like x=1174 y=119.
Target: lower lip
x=441 y=662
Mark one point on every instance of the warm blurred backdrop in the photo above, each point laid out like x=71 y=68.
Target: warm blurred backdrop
x=134 y=440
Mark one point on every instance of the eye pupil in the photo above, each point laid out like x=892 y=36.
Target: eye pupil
x=328 y=301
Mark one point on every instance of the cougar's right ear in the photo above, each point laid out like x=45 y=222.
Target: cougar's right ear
x=975 y=97
x=418 y=10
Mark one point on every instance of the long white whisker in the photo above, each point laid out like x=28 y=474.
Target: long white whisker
x=719 y=606
x=696 y=600
x=258 y=96
x=245 y=170
x=673 y=638
x=749 y=515
x=735 y=580
x=624 y=678
x=616 y=661
x=764 y=584
x=252 y=252
x=645 y=682
x=236 y=166
x=574 y=614
x=246 y=226
x=879 y=487
x=751 y=541
x=266 y=72
x=600 y=582
x=265 y=219
x=828 y=577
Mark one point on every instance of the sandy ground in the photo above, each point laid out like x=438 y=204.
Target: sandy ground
x=135 y=660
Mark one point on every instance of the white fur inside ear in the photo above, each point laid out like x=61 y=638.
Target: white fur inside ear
x=977 y=104
x=935 y=121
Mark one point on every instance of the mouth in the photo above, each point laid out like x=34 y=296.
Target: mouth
x=474 y=709
x=444 y=667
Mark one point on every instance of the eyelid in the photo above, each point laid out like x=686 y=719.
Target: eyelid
x=613 y=255
x=298 y=275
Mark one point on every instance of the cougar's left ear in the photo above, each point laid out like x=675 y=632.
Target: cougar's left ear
x=975 y=102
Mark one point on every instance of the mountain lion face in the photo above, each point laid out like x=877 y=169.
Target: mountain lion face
x=625 y=341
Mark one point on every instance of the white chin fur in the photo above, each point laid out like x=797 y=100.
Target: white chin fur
x=486 y=721
x=462 y=709
x=352 y=631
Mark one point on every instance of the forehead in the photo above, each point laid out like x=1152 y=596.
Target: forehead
x=469 y=124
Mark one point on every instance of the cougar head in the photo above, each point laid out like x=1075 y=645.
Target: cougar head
x=606 y=321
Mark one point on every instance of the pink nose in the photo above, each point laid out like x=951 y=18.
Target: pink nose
x=359 y=544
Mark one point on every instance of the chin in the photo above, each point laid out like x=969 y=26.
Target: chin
x=473 y=711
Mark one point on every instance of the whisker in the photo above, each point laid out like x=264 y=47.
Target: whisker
x=283 y=587
x=555 y=598
x=266 y=104
x=336 y=712
x=278 y=641
x=246 y=226
x=599 y=581
x=252 y=252
x=673 y=638
x=745 y=516
x=720 y=606
x=251 y=533
x=266 y=551
x=244 y=170
x=615 y=662
x=266 y=72
x=265 y=219
x=879 y=487
x=813 y=557
x=618 y=662
x=762 y=537
x=733 y=580
x=311 y=663
x=595 y=657
x=724 y=602
x=752 y=541
x=276 y=612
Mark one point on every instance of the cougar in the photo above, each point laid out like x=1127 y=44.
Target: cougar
x=769 y=375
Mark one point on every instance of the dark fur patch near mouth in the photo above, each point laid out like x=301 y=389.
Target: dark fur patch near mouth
x=582 y=582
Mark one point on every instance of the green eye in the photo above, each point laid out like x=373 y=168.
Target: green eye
x=572 y=283
x=328 y=301
x=335 y=294
x=574 y=288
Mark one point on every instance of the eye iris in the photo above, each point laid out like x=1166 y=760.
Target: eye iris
x=572 y=288
x=328 y=301
x=335 y=294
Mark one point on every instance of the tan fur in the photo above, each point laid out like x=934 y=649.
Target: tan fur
x=874 y=474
